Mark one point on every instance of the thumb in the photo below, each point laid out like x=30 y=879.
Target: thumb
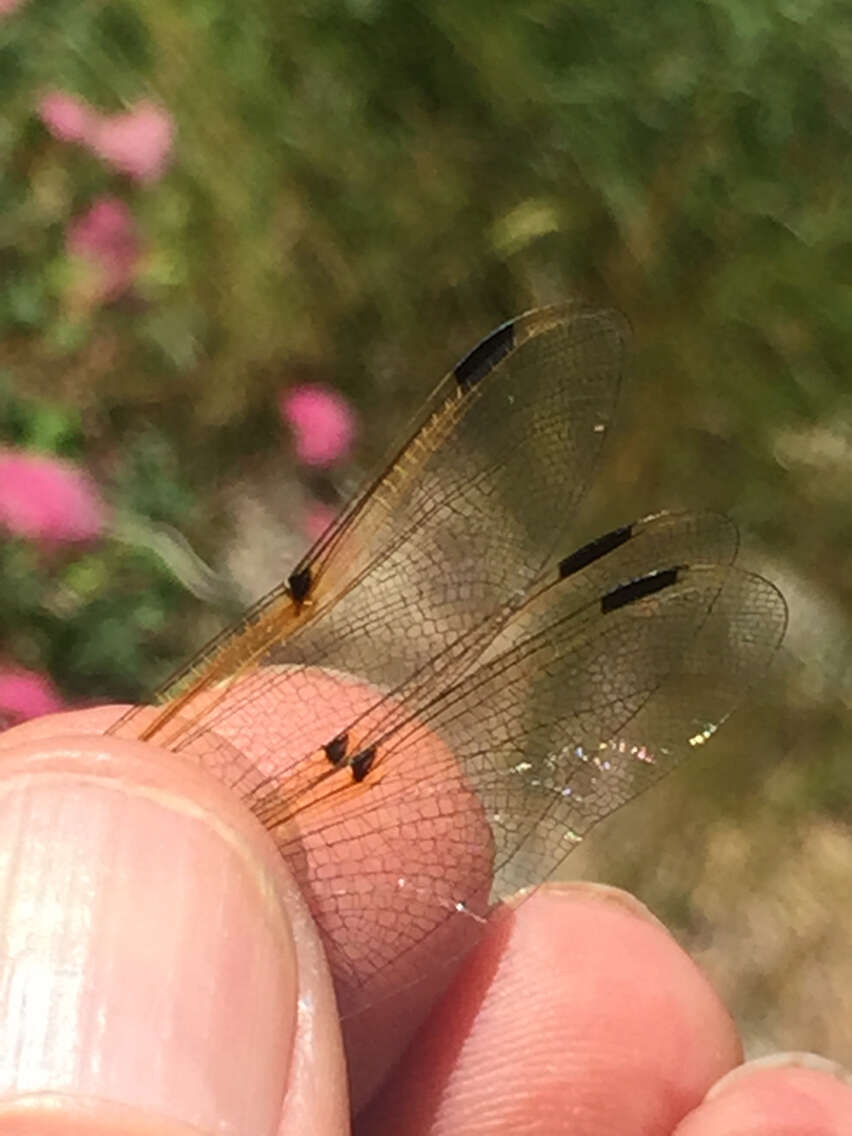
x=158 y=972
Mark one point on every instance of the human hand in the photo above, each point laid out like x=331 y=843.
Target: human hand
x=161 y=975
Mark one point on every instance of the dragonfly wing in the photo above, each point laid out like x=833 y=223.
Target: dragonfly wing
x=601 y=718
x=503 y=772
x=475 y=504
x=588 y=573
x=463 y=517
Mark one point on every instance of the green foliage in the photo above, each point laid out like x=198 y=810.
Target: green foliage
x=359 y=190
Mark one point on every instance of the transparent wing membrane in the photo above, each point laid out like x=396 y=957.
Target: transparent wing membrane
x=587 y=708
x=465 y=514
x=434 y=708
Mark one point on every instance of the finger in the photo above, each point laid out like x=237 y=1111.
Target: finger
x=380 y=862
x=578 y=1013
x=785 y=1095
x=157 y=969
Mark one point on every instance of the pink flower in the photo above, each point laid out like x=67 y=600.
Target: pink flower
x=104 y=237
x=7 y=7
x=136 y=143
x=316 y=520
x=322 y=422
x=66 y=117
x=25 y=694
x=44 y=498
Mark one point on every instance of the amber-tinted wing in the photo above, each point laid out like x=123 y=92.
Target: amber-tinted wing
x=463 y=518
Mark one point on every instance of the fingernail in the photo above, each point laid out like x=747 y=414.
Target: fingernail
x=791 y=1060
x=602 y=893
x=147 y=969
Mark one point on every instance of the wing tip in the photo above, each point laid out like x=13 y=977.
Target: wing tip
x=499 y=343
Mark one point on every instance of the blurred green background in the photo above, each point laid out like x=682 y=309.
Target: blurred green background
x=354 y=194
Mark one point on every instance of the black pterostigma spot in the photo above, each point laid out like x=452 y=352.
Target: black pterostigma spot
x=639 y=588
x=299 y=584
x=335 y=750
x=485 y=356
x=594 y=550
x=362 y=763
